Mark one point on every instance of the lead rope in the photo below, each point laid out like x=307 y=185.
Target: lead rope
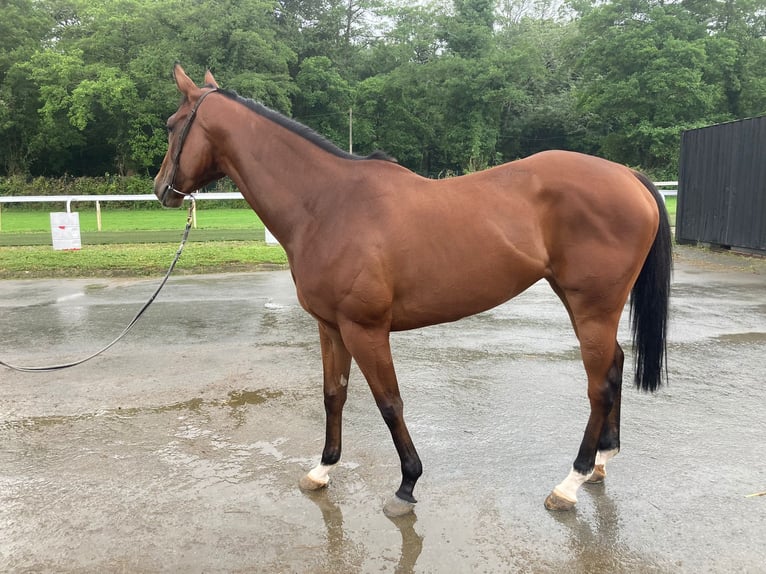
x=133 y=321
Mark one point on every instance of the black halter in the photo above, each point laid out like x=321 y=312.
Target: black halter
x=181 y=141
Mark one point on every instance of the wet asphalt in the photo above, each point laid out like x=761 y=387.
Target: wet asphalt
x=180 y=449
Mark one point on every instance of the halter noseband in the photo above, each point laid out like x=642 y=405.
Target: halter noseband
x=181 y=141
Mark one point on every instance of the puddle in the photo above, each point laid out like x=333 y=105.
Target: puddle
x=742 y=338
x=245 y=397
x=235 y=400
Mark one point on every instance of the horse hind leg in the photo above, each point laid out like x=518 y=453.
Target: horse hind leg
x=609 y=443
x=336 y=364
x=599 y=350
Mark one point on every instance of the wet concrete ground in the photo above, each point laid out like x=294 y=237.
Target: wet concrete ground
x=180 y=449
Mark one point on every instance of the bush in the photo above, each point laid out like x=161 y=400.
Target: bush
x=19 y=186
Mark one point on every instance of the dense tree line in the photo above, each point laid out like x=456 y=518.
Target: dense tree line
x=444 y=86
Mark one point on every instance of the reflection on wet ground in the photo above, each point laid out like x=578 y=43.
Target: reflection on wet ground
x=181 y=449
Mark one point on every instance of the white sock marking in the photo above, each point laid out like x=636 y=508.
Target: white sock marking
x=321 y=473
x=568 y=488
x=604 y=456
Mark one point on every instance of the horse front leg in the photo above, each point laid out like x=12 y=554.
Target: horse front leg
x=336 y=365
x=371 y=350
x=599 y=354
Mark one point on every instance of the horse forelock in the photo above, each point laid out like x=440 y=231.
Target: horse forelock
x=300 y=129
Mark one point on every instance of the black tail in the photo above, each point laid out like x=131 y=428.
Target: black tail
x=649 y=302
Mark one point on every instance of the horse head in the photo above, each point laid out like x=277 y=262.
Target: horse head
x=189 y=162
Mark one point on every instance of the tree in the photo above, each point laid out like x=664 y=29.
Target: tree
x=542 y=112
x=323 y=99
x=89 y=87
x=468 y=32
x=395 y=112
x=444 y=85
x=23 y=30
x=643 y=80
x=54 y=76
x=737 y=29
x=337 y=29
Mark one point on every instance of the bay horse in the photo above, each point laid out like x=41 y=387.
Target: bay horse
x=375 y=248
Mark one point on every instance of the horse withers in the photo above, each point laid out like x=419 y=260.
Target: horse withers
x=375 y=248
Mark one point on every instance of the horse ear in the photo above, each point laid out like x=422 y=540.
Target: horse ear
x=184 y=82
x=210 y=80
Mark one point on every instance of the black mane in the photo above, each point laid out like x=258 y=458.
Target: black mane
x=300 y=129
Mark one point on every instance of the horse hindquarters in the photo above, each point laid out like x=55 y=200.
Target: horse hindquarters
x=595 y=315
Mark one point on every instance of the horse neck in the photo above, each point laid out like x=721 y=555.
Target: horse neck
x=287 y=180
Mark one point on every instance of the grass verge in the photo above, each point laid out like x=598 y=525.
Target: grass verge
x=137 y=260
x=140 y=236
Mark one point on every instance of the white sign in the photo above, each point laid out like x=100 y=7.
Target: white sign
x=65 y=230
x=270 y=239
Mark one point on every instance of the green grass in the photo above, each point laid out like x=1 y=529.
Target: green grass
x=137 y=259
x=141 y=236
x=671 y=204
x=17 y=221
x=135 y=226
x=136 y=243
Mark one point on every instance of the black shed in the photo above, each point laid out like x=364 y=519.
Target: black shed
x=722 y=185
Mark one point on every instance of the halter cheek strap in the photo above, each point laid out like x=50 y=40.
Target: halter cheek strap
x=181 y=141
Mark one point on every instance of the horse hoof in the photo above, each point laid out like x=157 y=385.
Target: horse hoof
x=309 y=484
x=395 y=507
x=558 y=502
x=598 y=476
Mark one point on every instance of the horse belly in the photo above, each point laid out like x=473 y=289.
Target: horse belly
x=443 y=295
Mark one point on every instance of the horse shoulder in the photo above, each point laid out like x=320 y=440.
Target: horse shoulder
x=344 y=274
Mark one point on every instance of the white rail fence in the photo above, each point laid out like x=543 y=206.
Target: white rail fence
x=667 y=188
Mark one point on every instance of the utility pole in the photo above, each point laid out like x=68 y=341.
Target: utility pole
x=351 y=130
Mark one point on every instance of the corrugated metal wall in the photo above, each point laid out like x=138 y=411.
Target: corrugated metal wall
x=722 y=185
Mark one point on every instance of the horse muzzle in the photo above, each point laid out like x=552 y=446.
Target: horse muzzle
x=168 y=195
